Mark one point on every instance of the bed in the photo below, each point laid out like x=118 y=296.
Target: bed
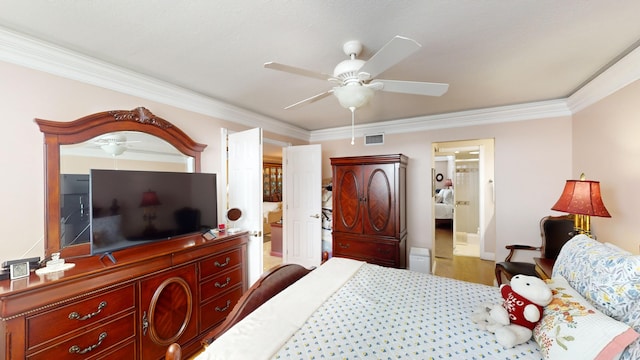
x=348 y=309
x=444 y=207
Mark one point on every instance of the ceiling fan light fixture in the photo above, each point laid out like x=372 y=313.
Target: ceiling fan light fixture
x=113 y=144
x=353 y=95
x=113 y=149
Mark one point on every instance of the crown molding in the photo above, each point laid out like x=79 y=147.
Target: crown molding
x=622 y=73
x=29 y=52
x=501 y=114
x=32 y=53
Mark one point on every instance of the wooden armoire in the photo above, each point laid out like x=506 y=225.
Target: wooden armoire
x=369 y=208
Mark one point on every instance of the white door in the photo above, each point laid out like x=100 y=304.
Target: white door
x=244 y=189
x=302 y=199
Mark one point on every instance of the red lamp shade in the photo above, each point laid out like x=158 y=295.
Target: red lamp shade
x=581 y=197
x=149 y=198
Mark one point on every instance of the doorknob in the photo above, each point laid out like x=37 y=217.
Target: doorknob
x=317 y=216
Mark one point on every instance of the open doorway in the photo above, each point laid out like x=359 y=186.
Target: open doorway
x=463 y=208
x=272 y=202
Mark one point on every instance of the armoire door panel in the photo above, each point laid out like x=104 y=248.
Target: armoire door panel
x=379 y=211
x=348 y=195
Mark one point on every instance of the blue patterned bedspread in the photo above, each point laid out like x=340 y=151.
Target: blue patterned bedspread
x=385 y=313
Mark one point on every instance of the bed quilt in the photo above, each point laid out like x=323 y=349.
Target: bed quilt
x=384 y=313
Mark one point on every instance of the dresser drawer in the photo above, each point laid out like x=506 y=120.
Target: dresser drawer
x=220 y=262
x=83 y=314
x=213 y=312
x=126 y=351
x=366 y=250
x=220 y=284
x=99 y=338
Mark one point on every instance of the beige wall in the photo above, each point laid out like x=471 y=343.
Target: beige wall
x=29 y=94
x=532 y=162
x=606 y=147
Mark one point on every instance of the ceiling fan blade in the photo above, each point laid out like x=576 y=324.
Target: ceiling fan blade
x=295 y=70
x=413 y=87
x=314 y=98
x=391 y=53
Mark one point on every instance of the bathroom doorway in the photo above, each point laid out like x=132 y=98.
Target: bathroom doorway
x=463 y=213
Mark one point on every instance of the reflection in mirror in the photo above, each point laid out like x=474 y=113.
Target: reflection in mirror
x=122 y=150
x=115 y=132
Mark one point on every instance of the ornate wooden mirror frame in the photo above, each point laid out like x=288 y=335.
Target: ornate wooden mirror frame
x=83 y=129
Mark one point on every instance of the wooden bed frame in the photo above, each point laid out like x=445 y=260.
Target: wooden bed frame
x=270 y=283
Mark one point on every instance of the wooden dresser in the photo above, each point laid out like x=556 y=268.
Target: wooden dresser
x=369 y=208
x=170 y=291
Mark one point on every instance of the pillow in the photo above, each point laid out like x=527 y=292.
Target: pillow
x=617 y=248
x=447 y=196
x=608 y=277
x=571 y=328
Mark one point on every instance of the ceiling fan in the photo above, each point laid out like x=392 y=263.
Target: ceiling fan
x=356 y=80
x=114 y=144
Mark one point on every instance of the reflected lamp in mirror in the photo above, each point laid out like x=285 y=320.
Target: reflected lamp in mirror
x=582 y=199
x=149 y=201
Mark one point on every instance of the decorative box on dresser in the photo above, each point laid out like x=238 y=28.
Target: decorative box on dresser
x=170 y=291
x=369 y=208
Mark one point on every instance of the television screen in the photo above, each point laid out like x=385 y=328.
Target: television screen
x=135 y=207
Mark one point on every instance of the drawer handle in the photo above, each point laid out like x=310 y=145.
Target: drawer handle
x=223 y=264
x=344 y=246
x=75 y=316
x=75 y=349
x=220 y=286
x=384 y=251
x=219 y=309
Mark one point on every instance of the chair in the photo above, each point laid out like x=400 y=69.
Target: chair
x=555 y=231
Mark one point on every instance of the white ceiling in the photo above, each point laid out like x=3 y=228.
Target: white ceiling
x=491 y=52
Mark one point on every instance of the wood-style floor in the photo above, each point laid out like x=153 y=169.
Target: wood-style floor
x=269 y=261
x=465 y=268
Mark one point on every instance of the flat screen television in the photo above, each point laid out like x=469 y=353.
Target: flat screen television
x=130 y=208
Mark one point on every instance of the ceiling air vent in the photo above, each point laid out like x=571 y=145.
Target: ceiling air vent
x=376 y=139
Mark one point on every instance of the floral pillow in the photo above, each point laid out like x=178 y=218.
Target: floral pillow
x=571 y=328
x=608 y=277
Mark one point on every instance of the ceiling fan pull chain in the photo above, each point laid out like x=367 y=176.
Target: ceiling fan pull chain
x=353 y=110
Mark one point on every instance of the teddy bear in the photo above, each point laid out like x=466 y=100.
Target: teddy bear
x=513 y=321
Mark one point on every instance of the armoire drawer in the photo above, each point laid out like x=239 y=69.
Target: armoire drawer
x=220 y=262
x=49 y=325
x=220 y=284
x=97 y=339
x=365 y=249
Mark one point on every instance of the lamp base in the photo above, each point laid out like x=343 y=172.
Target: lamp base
x=582 y=225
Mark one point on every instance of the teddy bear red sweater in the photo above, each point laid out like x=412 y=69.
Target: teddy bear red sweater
x=515 y=304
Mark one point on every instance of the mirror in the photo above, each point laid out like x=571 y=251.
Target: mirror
x=120 y=150
x=103 y=140
x=233 y=215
